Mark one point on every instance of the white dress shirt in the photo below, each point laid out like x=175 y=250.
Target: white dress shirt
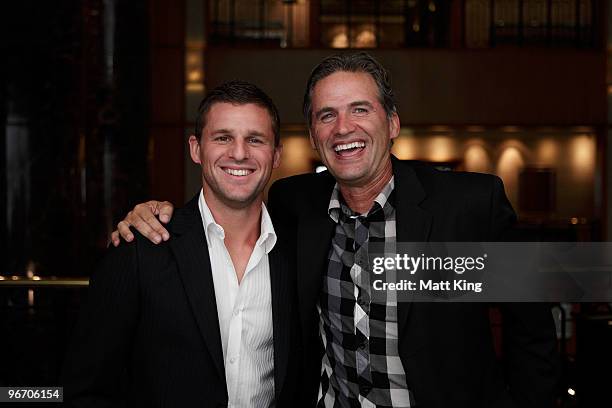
x=245 y=314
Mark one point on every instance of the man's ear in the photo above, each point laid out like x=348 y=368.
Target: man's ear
x=194 y=149
x=394 y=126
x=276 y=161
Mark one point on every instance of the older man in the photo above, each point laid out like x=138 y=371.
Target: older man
x=360 y=352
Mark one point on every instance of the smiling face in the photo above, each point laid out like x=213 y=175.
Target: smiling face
x=237 y=154
x=350 y=128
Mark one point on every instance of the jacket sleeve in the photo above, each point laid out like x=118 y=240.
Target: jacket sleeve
x=530 y=355
x=95 y=368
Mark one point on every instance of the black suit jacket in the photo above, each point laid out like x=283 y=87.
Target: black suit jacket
x=446 y=348
x=149 y=335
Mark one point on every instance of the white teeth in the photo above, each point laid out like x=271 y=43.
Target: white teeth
x=240 y=172
x=348 y=146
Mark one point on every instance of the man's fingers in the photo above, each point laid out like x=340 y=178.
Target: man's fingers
x=143 y=218
x=145 y=229
x=165 y=211
x=145 y=221
x=123 y=228
x=115 y=238
x=152 y=206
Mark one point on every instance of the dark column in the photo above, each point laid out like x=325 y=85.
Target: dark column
x=167 y=140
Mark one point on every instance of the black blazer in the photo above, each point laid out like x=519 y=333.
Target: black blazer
x=149 y=335
x=446 y=349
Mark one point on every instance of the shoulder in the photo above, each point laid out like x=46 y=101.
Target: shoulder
x=438 y=183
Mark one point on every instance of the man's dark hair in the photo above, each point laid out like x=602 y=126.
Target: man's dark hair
x=237 y=93
x=357 y=62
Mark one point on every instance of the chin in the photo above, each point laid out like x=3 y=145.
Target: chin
x=348 y=175
x=240 y=200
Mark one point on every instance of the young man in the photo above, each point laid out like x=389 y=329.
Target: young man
x=206 y=318
x=395 y=354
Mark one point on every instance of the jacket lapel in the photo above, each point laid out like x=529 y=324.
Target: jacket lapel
x=412 y=223
x=281 y=312
x=314 y=235
x=189 y=246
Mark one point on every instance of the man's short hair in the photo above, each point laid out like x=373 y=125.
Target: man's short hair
x=356 y=62
x=237 y=93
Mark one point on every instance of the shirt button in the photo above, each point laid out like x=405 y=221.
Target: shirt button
x=232 y=360
x=236 y=312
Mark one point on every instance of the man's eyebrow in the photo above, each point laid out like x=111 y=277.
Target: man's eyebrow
x=256 y=133
x=222 y=131
x=361 y=103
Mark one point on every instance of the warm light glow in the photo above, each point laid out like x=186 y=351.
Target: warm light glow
x=194 y=70
x=406 y=148
x=574 y=220
x=320 y=169
x=547 y=152
x=194 y=87
x=508 y=168
x=441 y=149
x=416 y=27
x=36 y=278
x=582 y=155
x=15 y=277
x=571 y=392
x=432 y=6
x=297 y=155
x=477 y=159
x=340 y=40
x=365 y=39
x=2 y=278
x=194 y=76
x=510 y=161
x=30 y=297
x=510 y=129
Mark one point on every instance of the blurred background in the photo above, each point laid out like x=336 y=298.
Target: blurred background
x=99 y=96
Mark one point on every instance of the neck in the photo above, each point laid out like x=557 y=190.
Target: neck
x=242 y=226
x=361 y=198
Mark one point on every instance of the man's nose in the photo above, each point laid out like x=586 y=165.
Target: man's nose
x=239 y=150
x=344 y=124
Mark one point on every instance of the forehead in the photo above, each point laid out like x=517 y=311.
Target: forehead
x=341 y=88
x=239 y=117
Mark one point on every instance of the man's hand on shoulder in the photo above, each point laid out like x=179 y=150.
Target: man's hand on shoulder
x=144 y=217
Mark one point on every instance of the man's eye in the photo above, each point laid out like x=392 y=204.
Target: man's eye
x=326 y=118
x=255 y=140
x=360 y=111
x=222 y=139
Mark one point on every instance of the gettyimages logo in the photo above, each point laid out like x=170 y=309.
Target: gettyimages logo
x=414 y=264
